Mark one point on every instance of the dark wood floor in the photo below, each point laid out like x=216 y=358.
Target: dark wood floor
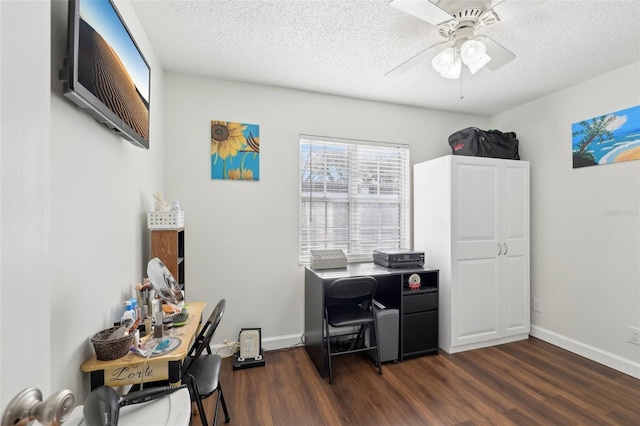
x=524 y=383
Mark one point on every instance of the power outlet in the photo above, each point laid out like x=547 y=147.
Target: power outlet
x=537 y=305
x=634 y=336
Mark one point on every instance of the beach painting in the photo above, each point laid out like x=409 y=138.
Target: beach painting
x=235 y=151
x=609 y=138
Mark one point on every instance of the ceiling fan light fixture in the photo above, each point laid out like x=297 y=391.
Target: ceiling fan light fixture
x=444 y=60
x=454 y=70
x=472 y=52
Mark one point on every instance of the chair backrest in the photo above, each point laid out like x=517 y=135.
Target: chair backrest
x=204 y=337
x=351 y=291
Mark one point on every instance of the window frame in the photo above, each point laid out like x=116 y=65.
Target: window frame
x=398 y=197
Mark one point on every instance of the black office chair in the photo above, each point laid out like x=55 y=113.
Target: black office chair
x=348 y=302
x=201 y=372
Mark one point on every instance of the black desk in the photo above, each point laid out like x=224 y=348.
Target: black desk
x=418 y=309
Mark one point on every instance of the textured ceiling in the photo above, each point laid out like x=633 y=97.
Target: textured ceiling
x=345 y=48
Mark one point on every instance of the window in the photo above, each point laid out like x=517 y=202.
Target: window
x=354 y=195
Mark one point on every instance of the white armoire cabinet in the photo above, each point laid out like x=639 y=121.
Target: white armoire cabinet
x=471 y=219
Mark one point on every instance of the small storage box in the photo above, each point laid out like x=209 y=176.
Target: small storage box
x=165 y=220
x=327 y=259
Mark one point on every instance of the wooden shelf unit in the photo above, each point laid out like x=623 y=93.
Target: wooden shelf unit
x=168 y=246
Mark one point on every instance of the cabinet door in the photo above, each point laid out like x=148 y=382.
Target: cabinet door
x=475 y=289
x=515 y=271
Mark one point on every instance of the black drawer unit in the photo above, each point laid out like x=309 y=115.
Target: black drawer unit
x=419 y=319
x=420 y=331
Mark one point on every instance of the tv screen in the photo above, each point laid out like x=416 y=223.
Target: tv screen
x=105 y=72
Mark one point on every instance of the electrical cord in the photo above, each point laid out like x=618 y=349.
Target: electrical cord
x=144 y=368
x=234 y=345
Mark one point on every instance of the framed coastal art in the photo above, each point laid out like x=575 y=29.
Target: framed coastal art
x=607 y=139
x=235 y=151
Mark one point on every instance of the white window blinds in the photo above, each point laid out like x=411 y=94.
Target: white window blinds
x=354 y=196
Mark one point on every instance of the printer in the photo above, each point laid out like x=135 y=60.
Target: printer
x=398 y=258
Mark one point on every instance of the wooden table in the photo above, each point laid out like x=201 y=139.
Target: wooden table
x=135 y=369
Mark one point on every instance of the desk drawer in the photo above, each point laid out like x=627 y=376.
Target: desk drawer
x=419 y=333
x=420 y=302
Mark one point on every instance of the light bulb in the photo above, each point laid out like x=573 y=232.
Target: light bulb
x=454 y=70
x=443 y=60
x=472 y=52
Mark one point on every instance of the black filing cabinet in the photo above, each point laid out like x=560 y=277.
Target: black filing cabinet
x=419 y=319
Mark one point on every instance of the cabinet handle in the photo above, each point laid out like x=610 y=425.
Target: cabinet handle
x=499 y=249
x=506 y=247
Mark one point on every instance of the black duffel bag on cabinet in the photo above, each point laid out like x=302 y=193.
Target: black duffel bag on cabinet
x=484 y=143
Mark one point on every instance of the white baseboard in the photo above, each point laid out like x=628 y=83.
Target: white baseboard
x=610 y=360
x=281 y=342
x=485 y=344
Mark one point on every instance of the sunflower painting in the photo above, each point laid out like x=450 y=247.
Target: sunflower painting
x=235 y=151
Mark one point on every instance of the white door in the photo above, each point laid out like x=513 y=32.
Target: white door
x=475 y=289
x=514 y=224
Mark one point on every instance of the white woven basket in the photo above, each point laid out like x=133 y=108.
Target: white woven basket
x=165 y=220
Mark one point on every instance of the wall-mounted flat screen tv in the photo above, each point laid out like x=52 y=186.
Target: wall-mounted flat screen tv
x=105 y=71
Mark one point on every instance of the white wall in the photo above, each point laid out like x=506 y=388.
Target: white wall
x=24 y=149
x=101 y=188
x=584 y=255
x=242 y=237
x=74 y=197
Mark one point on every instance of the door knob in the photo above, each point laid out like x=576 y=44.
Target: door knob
x=28 y=406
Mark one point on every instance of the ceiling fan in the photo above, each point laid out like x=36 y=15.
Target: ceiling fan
x=457 y=22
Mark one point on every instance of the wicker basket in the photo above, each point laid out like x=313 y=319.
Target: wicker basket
x=108 y=349
x=165 y=220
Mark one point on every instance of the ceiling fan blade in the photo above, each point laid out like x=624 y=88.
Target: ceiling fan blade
x=498 y=54
x=422 y=9
x=414 y=60
x=506 y=9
